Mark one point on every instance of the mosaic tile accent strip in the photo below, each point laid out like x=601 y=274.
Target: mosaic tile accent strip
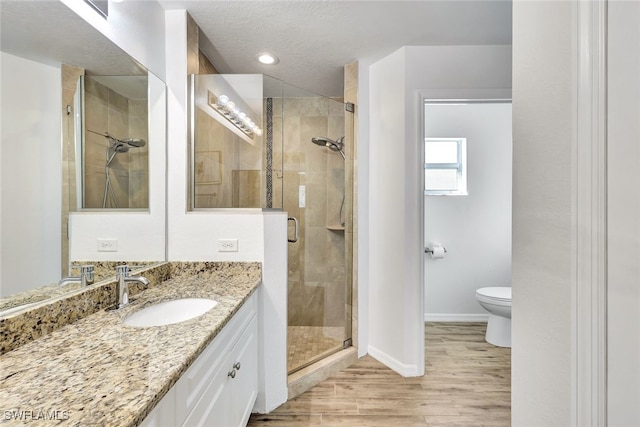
x=269 y=152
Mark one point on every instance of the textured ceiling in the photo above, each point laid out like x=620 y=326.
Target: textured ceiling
x=51 y=33
x=315 y=39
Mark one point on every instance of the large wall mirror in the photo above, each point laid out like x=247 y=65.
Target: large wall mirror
x=83 y=154
x=235 y=141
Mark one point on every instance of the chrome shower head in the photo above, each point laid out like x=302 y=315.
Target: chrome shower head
x=131 y=142
x=332 y=145
x=120 y=148
x=134 y=142
x=321 y=141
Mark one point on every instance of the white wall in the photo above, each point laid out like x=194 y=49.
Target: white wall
x=476 y=228
x=390 y=290
x=624 y=214
x=273 y=315
x=193 y=236
x=31 y=193
x=543 y=175
x=395 y=197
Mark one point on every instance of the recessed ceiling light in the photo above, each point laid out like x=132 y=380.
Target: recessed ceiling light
x=267 y=58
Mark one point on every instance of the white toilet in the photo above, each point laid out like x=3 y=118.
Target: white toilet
x=497 y=301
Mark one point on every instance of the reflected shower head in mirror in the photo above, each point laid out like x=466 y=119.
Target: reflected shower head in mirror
x=134 y=142
x=121 y=146
x=332 y=145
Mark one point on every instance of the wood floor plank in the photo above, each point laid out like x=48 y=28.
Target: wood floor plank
x=405 y=406
x=467 y=383
x=365 y=389
x=318 y=405
x=374 y=421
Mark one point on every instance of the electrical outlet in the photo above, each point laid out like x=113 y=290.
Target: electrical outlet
x=227 y=245
x=107 y=245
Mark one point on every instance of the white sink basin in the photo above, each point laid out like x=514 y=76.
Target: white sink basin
x=169 y=312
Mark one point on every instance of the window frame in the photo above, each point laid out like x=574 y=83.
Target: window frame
x=460 y=166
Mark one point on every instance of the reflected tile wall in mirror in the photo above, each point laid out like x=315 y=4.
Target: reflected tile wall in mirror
x=107 y=111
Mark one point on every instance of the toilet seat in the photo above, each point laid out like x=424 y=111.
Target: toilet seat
x=495 y=294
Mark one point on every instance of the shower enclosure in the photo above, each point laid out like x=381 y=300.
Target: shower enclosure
x=295 y=162
x=319 y=316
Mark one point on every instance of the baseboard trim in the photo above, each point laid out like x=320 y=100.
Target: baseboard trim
x=385 y=359
x=430 y=317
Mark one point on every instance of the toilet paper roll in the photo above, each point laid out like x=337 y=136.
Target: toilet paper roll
x=437 y=252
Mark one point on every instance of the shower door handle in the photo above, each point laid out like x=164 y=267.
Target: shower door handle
x=295 y=228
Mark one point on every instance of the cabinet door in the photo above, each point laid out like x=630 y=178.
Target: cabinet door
x=212 y=408
x=244 y=387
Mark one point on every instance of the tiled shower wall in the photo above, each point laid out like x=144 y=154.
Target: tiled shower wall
x=108 y=111
x=226 y=168
x=317 y=264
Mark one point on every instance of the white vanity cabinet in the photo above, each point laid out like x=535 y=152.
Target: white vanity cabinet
x=220 y=388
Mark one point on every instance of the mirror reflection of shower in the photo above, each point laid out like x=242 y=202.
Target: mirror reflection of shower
x=338 y=146
x=332 y=145
x=112 y=116
x=116 y=146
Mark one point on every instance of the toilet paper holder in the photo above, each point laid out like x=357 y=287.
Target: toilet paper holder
x=430 y=251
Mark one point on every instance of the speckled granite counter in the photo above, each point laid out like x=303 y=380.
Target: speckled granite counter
x=97 y=371
x=33 y=322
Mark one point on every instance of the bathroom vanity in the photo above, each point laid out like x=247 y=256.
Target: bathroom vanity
x=100 y=371
x=221 y=386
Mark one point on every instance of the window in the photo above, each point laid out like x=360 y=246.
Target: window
x=445 y=166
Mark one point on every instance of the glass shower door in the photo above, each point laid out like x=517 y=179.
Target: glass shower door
x=314 y=189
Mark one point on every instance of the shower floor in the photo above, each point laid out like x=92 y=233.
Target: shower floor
x=307 y=344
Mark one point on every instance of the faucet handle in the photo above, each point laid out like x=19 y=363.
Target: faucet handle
x=87 y=274
x=122 y=270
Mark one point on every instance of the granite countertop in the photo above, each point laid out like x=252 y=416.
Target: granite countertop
x=98 y=371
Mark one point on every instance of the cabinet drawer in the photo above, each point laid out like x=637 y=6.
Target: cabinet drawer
x=211 y=363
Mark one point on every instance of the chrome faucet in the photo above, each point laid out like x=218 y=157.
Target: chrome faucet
x=123 y=278
x=85 y=278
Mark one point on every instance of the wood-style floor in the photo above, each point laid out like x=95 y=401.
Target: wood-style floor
x=467 y=382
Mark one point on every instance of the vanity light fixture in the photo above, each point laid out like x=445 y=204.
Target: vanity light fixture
x=228 y=109
x=267 y=58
